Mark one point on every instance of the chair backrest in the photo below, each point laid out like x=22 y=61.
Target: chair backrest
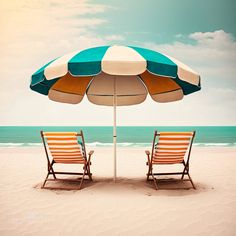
x=171 y=147
x=64 y=146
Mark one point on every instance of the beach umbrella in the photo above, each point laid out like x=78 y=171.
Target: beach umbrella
x=115 y=76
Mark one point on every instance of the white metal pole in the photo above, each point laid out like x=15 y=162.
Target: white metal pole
x=114 y=128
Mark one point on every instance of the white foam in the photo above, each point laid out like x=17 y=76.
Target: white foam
x=97 y=144
x=217 y=144
x=124 y=144
x=34 y=144
x=11 y=144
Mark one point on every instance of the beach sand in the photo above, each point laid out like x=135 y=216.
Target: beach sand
x=131 y=206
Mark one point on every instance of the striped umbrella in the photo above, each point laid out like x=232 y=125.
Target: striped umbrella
x=115 y=76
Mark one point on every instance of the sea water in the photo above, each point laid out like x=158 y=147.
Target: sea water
x=127 y=136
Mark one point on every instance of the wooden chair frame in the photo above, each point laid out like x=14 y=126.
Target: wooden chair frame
x=86 y=166
x=184 y=173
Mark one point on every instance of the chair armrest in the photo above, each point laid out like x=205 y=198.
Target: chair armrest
x=147 y=152
x=91 y=153
x=148 y=157
x=89 y=157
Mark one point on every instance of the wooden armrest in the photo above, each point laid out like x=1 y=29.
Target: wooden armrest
x=91 y=153
x=147 y=152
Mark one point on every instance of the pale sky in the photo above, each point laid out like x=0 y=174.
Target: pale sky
x=199 y=33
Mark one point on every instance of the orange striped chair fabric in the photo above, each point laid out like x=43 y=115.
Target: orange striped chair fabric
x=64 y=147
x=171 y=147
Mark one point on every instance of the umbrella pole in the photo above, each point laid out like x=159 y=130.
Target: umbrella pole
x=114 y=128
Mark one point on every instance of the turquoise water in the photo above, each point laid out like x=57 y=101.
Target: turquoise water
x=136 y=136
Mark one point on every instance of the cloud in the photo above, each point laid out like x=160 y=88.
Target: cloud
x=25 y=24
x=216 y=40
x=211 y=54
x=34 y=32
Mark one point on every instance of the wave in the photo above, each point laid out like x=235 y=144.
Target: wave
x=19 y=144
x=34 y=144
x=93 y=144
x=214 y=144
x=11 y=144
x=124 y=144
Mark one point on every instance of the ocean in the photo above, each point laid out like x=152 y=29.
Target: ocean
x=127 y=136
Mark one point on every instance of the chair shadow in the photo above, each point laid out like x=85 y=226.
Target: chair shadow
x=140 y=186
x=171 y=188
x=64 y=184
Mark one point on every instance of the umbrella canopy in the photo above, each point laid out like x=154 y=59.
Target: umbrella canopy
x=115 y=76
x=93 y=71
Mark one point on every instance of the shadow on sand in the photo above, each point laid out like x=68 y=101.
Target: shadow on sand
x=170 y=187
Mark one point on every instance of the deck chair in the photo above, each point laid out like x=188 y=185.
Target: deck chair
x=65 y=148
x=170 y=148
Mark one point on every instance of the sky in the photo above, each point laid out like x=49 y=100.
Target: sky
x=202 y=34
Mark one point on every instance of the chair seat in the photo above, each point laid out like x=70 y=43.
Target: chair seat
x=173 y=158
x=69 y=161
x=167 y=161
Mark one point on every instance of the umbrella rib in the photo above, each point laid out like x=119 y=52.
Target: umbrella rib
x=44 y=84
x=105 y=95
x=68 y=92
x=168 y=91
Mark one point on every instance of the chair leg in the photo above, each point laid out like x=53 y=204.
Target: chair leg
x=149 y=170
x=155 y=182
x=45 y=180
x=186 y=171
x=88 y=171
x=82 y=179
x=50 y=169
x=191 y=181
x=148 y=174
x=185 y=168
x=154 y=179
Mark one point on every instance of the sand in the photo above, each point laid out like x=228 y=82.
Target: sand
x=129 y=207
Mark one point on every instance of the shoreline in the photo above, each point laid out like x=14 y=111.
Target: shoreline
x=110 y=145
x=140 y=151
